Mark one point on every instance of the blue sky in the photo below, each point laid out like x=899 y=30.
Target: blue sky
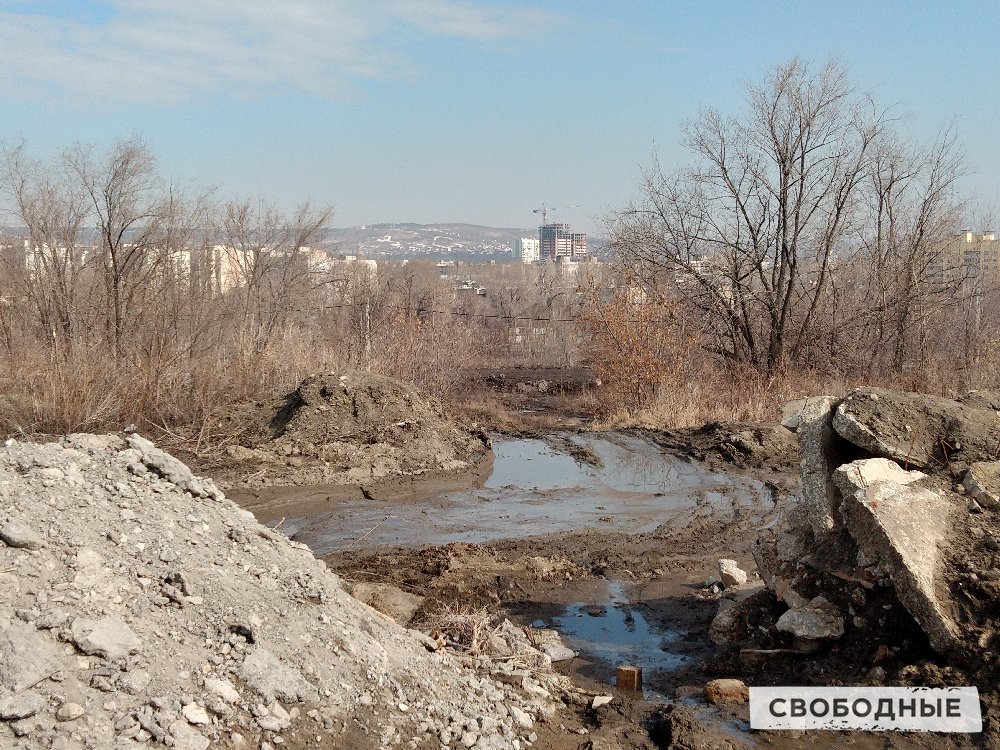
x=458 y=110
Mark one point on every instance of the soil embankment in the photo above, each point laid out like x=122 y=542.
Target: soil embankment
x=342 y=429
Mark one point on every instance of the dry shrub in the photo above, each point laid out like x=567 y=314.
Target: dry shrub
x=639 y=346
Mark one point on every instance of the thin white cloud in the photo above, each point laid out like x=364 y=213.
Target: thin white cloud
x=169 y=51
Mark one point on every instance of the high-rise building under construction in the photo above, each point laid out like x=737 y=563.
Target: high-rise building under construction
x=558 y=241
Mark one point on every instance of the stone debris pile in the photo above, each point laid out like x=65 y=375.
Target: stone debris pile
x=140 y=607
x=898 y=520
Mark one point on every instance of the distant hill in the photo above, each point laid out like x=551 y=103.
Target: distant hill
x=450 y=241
x=471 y=243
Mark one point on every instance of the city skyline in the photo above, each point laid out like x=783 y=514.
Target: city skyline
x=445 y=111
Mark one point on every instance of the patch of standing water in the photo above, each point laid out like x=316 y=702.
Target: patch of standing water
x=616 y=634
x=535 y=489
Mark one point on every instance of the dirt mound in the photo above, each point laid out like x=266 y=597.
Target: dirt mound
x=348 y=428
x=140 y=607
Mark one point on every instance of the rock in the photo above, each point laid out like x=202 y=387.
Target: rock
x=270 y=677
x=902 y=527
x=601 y=700
x=18 y=535
x=425 y=640
x=723 y=630
x=388 y=599
x=195 y=714
x=186 y=737
x=21 y=706
x=765 y=556
x=794 y=413
x=558 y=652
x=521 y=717
x=818 y=457
x=982 y=483
x=93 y=443
x=108 y=637
x=731 y=574
x=134 y=682
x=916 y=429
x=819 y=620
x=784 y=592
x=744 y=591
x=173 y=469
x=26 y=656
x=223 y=688
x=70 y=712
x=859 y=475
x=726 y=690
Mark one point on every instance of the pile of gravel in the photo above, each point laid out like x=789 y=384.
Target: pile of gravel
x=138 y=607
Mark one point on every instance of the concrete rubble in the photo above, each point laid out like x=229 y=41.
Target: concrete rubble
x=140 y=607
x=898 y=495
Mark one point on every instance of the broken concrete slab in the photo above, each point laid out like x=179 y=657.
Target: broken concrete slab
x=903 y=526
x=867 y=472
x=916 y=429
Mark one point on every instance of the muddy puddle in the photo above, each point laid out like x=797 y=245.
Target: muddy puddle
x=611 y=481
x=610 y=631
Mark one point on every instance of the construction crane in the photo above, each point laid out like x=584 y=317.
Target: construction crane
x=544 y=211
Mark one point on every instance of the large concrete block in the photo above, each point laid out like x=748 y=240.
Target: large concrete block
x=904 y=527
x=916 y=429
x=818 y=458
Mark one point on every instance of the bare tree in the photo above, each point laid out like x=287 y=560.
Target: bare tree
x=264 y=254
x=122 y=188
x=50 y=269
x=749 y=234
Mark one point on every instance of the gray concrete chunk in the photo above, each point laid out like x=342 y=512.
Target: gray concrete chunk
x=274 y=679
x=20 y=536
x=21 y=706
x=108 y=637
x=982 y=483
x=818 y=458
x=819 y=620
x=173 y=469
x=26 y=656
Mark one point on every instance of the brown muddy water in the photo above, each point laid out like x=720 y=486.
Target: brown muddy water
x=612 y=481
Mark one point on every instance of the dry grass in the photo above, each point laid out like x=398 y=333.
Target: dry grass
x=463 y=627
